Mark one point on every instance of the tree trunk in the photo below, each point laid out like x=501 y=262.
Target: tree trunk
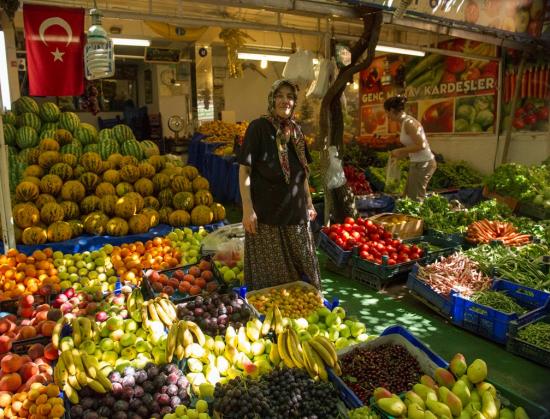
x=331 y=119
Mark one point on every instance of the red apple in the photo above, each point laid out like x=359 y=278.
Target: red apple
x=69 y=292
x=101 y=316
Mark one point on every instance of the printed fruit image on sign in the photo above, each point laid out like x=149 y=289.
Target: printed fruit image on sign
x=475 y=114
x=437 y=115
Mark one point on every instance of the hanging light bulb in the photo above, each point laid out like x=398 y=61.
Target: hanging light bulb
x=263 y=64
x=98 y=54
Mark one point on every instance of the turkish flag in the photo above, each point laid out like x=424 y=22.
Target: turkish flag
x=54 y=37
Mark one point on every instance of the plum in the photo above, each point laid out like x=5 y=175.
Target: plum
x=120 y=415
x=166 y=410
x=222 y=310
x=86 y=392
x=121 y=406
x=104 y=411
x=115 y=377
x=87 y=403
x=160 y=380
x=229 y=310
x=117 y=389
x=183 y=382
x=148 y=387
x=155 y=415
x=147 y=399
x=149 y=365
x=140 y=376
x=172 y=390
x=129 y=371
x=163 y=390
x=175 y=401
x=143 y=411
x=170 y=368
x=134 y=404
x=163 y=399
x=154 y=407
x=199 y=299
x=138 y=391
x=152 y=372
x=76 y=411
x=90 y=414
x=108 y=400
x=172 y=378
x=190 y=305
x=198 y=312
x=128 y=393
x=129 y=381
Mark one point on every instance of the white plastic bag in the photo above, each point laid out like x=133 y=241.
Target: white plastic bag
x=335 y=173
x=393 y=176
x=299 y=67
x=320 y=85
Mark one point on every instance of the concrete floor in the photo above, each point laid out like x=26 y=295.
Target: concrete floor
x=525 y=380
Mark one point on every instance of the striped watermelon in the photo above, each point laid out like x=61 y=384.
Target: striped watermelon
x=105 y=133
x=91 y=148
x=86 y=135
x=29 y=119
x=72 y=148
x=132 y=148
x=49 y=126
x=108 y=147
x=123 y=133
x=47 y=134
x=69 y=121
x=26 y=104
x=150 y=148
x=49 y=112
x=9 y=118
x=26 y=137
x=10 y=133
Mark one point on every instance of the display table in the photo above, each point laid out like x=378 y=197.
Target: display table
x=198 y=151
x=88 y=242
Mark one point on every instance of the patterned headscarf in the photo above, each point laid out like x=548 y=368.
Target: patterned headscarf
x=287 y=129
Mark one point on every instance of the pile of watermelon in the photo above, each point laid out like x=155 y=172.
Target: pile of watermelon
x=67 y=178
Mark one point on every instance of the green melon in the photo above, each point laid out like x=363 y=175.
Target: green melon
x=29 y=119
x=92 y=162
x=69 y=121
x=71 y=210
x=73 y=190
x=107 y=204
x=90 y=204
x=106 y=134
x=146 y=170
x=26 y=137
x=63 y=170
x=122 y=133
x=59 y=231
x=149 y=148
x=144 y=187
x=151 y=202
x=124 y=188
x=95 y=223
x=25 y=104
x=72 y=148
x=165 y=197
x=132 y=148
x=179 y=218
x=181 y=184
x=161 y=181
x=112 y=176
x=63 y=137
x=90 y=181
x=86 y=134
x=184 y=201
x=91 y=148
x=52 y=212
x=10 y=134
x=26 y=191
x=9 y=117
x=116 y=227
x=108 y=147
x=105 y=188
x=129 y=173
x=51 y=184
x=43 y=199
x=49 y=112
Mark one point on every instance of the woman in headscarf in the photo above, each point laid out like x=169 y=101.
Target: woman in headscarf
x=277 y=206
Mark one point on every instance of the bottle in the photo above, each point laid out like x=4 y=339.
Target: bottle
x=98 y=54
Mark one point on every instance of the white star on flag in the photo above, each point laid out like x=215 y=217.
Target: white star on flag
x=57 y=55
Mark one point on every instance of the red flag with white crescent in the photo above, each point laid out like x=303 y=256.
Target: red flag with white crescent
x=54 y=37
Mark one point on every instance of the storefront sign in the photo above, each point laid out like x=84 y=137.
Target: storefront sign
x=447 y=94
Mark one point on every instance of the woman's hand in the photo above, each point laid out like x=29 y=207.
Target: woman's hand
x=311 y=213
x=250 y=221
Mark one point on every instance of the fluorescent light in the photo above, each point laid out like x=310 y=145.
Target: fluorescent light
x=263 y=64
x=394 y=50
x=4 y=80
x=261 y=57
x=131 y=42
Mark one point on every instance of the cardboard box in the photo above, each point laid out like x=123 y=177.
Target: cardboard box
x=512 y=203
x=408 y=228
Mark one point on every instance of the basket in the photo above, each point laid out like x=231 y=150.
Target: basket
x=177 y=296
x=525 y=349
x=11 y=306
x=21 y=347
x=339 y=256
x=494 y=324
x=411 y=228
x=510 y=202
x=437 y=302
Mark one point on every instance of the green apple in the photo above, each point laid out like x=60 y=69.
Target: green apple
x=333 y=319
x=141 y=333
x=159 y=355
x=229 y=275
x=88 y=346
x=313 y=318
x=206 y=390
x=73 y=270
x=341 y=343
x=348 y=322
x=313 y=329
x=128 y=353
x=98 y=353
x=130 y=325
x=116 y=335
x=357 y=329
x=110 y=356
x=143 y=346
x=80 y=264
x=180 y=410
x=340 y=312
x=115 y=323
x=323 y=312
x=121 y=364
x=363 y=337
x=344 y=331
x=117 y=347
x=333 y=333
x=127 y=339
x=301 y=323
x=304 y=335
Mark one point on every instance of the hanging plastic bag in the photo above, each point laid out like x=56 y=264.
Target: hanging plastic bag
x=393 y=176
x=322 y=81
x=299 y=67
x=335 y=173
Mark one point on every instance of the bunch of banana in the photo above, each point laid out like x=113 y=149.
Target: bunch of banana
x=273 y=321
x=76 y=369
x=134 y=303
x=313 y=355
x=56 y=333
x=158 y=310
x=181 y=340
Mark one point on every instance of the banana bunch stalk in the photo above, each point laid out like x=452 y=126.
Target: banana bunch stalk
x=273 y=321
x=76 y=369
x=313 y=355
x=184 y=338
x=159 y=310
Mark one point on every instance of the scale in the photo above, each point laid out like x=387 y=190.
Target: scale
x=176 y=124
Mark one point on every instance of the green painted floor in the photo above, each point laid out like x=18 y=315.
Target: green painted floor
x=380 y=309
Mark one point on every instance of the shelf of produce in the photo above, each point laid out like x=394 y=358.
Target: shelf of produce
x=493 y=324
x=339 y=256
x=437 y=302
x=521 y=347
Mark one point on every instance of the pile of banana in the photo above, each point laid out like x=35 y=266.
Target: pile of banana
x=273 y=321
x=181 y=340
x=83 y=328
x=76 y=369
x=133 y=304
x=313 y=355
x=156 y=312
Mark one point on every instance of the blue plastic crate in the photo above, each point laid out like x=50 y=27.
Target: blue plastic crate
x=346 y=394
x=494 y=324
x=339 y=256
x=437 y=302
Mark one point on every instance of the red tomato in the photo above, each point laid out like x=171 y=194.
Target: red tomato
x=356 y=235
x=391 y=249
x=396 y=243
x=364 y=255
x=404 y=248
x=375 y=236
x=391 y=261
x=333 y=236
x=348 y=226
x=325 y=229
x=349 y=220
x=360 y=221
x=387 y=235
x=378 y=261
x=339 y=242
x=414 y=256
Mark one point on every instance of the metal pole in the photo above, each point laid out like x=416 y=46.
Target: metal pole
x=508 y=127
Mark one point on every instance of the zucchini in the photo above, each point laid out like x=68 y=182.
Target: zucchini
x=425 y=64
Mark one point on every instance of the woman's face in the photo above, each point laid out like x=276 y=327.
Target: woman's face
x=394 y=114
x=284 y=102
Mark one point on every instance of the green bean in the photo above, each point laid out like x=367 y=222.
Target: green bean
x=497 y=300
x=537 y=334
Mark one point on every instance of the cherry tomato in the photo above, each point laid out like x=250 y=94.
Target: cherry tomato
x=375 y=236
x=349 y=220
